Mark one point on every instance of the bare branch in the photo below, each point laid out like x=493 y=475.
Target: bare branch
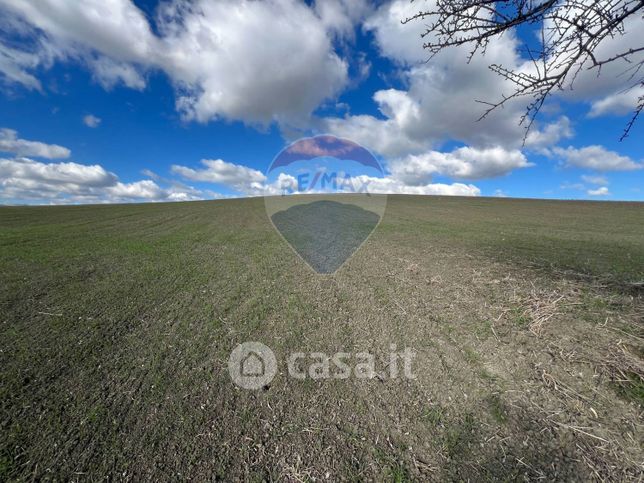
x=570 y=30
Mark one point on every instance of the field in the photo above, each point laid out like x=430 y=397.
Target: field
x=526 y=316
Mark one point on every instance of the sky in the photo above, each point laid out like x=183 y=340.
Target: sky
x=111 y=101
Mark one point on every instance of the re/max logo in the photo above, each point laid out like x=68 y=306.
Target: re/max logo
x=323 y=180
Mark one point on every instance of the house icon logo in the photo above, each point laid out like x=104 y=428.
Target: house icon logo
x=252 y=365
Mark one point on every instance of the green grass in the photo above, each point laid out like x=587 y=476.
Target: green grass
x=591 y=238
x=433 y=415
x=632 y=389
x=471 y=355
x=497 y=408
x=459 y=437
x=116 y=323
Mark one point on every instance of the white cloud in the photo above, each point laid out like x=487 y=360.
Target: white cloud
x=340 y=16
x=439 y=102
x=25 y=180
x=59 y=174
x=550 y=134
x=402 y=43
x=462 y=163
x=618 y=103
x=14 y=65
x=251 y=182
x=597 y=158
x=275 y=81
x=390 y=185
x=150 y=174
x=603 y=191
x=28 y=181
x=246 y=181
x=110 y=73
x=591 y=179
x=613 y=89
x=10 y=143
x=91 y=120
x=145 y=189
x=237 y=176
x=116 y=28
x=199 y=45
x=386 y=137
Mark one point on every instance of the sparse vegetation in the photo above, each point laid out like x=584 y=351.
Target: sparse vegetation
x=117 y=321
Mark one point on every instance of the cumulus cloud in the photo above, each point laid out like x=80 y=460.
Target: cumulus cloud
x=59 y=174
x=251 y=182
x=596 y=157
x=237 y=176
x=603 y=191
x=401 y=43
x=202 y=47
x=145 y=189
x=198 y=45
x=242 y=179
x=550 y=134
x=462 y=163
x=25 y=180
x=115 y=28
x=384 y=136
x=391 y=185
x=91 y=120
x=340 y=16
x=10 y=143
x=439 y=100
x=615 y=89
x=618 y=103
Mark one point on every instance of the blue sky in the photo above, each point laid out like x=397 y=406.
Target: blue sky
x=109 y=101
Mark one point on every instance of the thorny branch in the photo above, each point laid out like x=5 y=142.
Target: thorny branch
x=571 y=32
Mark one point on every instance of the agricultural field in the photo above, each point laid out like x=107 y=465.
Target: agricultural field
x=526 y=318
